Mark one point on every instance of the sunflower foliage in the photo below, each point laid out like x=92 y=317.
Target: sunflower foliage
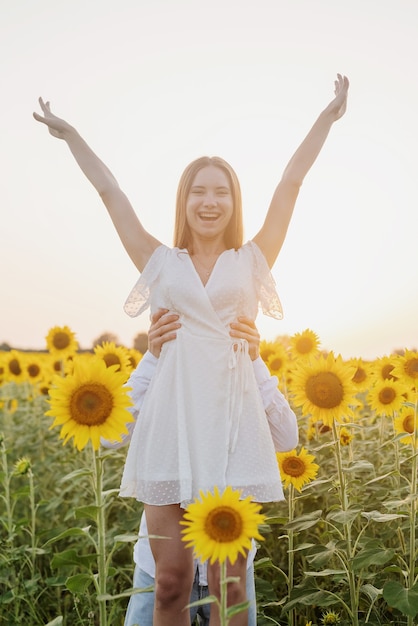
x=47 y=532
x=342 y=547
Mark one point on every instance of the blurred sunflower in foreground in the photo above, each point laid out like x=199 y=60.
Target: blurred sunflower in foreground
x=219 y=526
x=90 y=403
x=297 y=469
x=324 y=388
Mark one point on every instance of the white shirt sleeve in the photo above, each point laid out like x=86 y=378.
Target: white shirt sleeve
x=139 y=380
x=282 y=420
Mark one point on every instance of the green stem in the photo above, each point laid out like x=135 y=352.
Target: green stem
x=223 y=605
x=290 y=553
x=33 y=518
x=413 y=506
x=101 y=534
x=7 y=500
x=346 y=526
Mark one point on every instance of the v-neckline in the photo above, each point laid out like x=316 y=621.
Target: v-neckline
x=204 y=285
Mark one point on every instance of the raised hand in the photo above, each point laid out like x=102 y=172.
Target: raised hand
x=338 y=106
x=56 y=126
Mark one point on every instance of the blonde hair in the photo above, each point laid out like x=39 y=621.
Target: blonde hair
x=234 y=231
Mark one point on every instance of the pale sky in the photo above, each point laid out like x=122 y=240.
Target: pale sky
x=153 y=84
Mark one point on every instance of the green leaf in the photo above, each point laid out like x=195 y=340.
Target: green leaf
x=87 y=511
x=125 y=594
x=70 y=557
x=237 y=608
x=309 y=597
x=321 y=554
x=203 y=601
x=304 y=521
x=55 y=622
x=125 y=538
x=327 y=572
x=358 y=466
x=110 y=492
x=76 y=474
x=376 y=516
x=276 y=520
x=368 y=557
x=78 y=583
x=343 y=517
x=70 y=532
x=405 y=600
x=371 y=592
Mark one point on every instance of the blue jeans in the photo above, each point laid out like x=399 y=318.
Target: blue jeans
x=141 y=605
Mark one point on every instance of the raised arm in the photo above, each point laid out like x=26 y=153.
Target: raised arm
x=138 y=243
x=273 y=232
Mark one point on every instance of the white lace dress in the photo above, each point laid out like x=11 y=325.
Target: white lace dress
x=202 y=422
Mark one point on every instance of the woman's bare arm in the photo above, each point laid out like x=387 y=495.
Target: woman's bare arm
x=138 y=243
x=273 y=232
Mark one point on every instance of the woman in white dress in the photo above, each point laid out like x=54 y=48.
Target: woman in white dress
x=202 y=422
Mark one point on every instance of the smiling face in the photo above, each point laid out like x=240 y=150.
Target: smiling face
x=228 y=181
x=209 y=205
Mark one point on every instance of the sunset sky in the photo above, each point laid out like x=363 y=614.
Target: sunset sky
x=153 y=84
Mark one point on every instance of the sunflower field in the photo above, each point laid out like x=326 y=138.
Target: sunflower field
x=342 y=549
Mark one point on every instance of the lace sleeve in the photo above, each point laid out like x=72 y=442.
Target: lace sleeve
x=267 y=294
x=138 y=300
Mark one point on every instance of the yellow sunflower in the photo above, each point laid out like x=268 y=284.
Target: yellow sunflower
x=297 y=469
x=266 y=349
x=114 y=355
x=34 y=366
x=61 y=341
x=135 y=357
x=324 y=388
x=382 y=368
x=304 y=344
x=362 y=375
x=277 y=361
x=13 y=366
x=406 y=422
x=345 y=436
x=387 y=396
x=407 y=369
x=90 y=403
x=219 y=526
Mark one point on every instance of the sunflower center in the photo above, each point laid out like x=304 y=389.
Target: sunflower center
x=359 y=376
x=33 y=370
x=223 y=524
x=387 y=395
x=408 y=423
x=111 y=359
x=387 y=372
x=411 y=367
x=325 y=390
x=61 y=340
x=91 y=404
x=304 y=345
x=276 y=364
x=294 y=466
x=14 y=367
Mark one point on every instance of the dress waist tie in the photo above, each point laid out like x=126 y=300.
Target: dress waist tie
x=237 y=362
